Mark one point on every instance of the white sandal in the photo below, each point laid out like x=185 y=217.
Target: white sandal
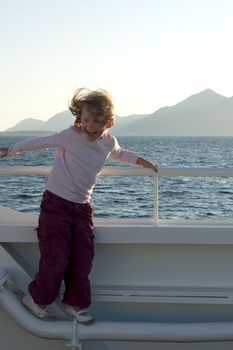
x=34 y=308
x=82 y=316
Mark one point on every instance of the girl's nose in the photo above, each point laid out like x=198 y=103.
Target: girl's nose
x=90 y=126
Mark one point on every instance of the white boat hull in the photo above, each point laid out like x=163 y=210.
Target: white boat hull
x=164 y=286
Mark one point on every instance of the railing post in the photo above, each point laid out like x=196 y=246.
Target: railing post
x=156 y=207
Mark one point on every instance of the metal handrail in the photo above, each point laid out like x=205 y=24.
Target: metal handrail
x=128 y=171
x=125 y=171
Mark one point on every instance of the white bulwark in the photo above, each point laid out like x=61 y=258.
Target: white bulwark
x=155 y=284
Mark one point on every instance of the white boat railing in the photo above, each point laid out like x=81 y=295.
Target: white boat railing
x=128 y=171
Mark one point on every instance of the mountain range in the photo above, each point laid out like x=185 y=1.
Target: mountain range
x=203 y=114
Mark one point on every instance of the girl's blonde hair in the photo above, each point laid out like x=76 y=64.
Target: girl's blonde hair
x=98 y=102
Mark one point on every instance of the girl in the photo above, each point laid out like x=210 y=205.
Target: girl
x=65 y=229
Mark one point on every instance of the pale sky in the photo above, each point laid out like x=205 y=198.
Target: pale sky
x=147 y=53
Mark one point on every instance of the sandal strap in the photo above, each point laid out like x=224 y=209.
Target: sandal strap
x=82 y=315
x=82 y=312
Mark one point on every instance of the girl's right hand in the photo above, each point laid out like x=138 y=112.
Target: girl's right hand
x=3 y=152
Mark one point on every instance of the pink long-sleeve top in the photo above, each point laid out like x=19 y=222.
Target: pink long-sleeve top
x=77 y=161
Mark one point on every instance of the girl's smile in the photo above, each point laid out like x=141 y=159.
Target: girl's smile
x=93 y=127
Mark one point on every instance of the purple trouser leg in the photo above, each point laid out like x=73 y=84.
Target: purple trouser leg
x=65 y=234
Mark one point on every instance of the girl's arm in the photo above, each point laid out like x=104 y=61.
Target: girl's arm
x=125 y=156
x=37 y=143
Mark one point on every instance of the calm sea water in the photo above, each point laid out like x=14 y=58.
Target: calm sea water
x=132 y=197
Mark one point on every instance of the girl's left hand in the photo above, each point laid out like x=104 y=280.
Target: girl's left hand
x=146 y=164
x=154 y=167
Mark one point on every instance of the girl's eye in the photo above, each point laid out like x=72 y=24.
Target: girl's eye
x=100 y=122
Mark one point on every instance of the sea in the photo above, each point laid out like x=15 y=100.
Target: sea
x=193 y=198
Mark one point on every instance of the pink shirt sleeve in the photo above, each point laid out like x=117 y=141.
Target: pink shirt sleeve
x=123 y=155
x=37 y=143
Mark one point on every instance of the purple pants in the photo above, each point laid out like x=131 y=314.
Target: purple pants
x=65 y=234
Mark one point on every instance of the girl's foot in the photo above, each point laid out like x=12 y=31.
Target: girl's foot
x=81 y=315
x=37 y=310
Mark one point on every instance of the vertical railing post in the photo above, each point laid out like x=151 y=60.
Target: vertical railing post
x=156 y=195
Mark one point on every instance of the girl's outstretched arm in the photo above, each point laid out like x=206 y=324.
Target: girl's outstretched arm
x=146 y=164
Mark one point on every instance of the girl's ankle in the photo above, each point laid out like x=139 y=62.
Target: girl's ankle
x=76 y=308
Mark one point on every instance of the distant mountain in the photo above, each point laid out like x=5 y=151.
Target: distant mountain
x=29 y=133
x=27 y=124
x=57 y=122
x=204 y=114
x=123 y=123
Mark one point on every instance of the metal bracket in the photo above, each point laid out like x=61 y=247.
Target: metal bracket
x=74 y=342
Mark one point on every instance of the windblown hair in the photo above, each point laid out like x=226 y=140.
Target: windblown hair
x=97 y=102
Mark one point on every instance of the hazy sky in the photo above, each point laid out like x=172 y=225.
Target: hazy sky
x=147 y=53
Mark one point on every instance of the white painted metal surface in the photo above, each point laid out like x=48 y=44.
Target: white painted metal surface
x=171 y=278
x=114 y=331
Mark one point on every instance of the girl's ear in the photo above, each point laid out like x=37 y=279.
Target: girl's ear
x=110 y=123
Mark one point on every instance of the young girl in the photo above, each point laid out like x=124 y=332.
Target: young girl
x=65 y=230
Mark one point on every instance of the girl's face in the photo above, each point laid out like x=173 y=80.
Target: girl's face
x=92 y=127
